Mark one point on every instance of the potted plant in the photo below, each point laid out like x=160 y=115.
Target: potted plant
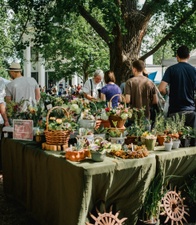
x=100 y=131
x=159 y=128
x=176 y=143
x=190 y=190
x=150 y=208
x=150 y=141
x=98 y=149
x=133 y=133
x=139 y=126
x=168 y=143
x=185 y=135
x=119 y=114
x=116 y=135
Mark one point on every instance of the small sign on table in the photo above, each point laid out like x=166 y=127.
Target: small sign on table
x=23 y=129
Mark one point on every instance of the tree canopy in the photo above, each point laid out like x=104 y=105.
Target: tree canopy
x=123 y=26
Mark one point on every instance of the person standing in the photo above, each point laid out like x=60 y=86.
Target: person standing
x=92 y=87
x=21 y=87
x=4 y=119
x=110 y=89
x=181 y=79
x=139 y=90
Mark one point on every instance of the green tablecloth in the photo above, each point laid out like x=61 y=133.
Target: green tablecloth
x=61 y=192
x=179 y=162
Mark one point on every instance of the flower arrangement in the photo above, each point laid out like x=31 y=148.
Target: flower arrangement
x=100 y=145
x=121 y=110
x=24 y=110
x=56 y=123
x=15 y=109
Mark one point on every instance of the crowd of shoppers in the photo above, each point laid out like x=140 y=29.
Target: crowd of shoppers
x=138 y=90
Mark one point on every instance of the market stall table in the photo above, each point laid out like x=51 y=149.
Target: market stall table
x=178 y=164
x=58 y=191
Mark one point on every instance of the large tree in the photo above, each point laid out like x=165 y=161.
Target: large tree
x=122 y=24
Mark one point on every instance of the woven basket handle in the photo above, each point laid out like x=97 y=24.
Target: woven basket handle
x=48 y=114
x=120 y=95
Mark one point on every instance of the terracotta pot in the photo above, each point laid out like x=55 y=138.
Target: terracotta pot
x=97 y=124
x=40 y=138
x=105 y=123
x=76 y=156
x=119 y=120
x=131 y=139
x=160 y=139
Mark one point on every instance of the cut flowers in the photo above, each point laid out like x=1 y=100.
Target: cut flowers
x=25 y=111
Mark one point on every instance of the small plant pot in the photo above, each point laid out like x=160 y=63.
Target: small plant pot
x=176 y=144
x=168 y=145
x=40 y=138
x=150 y=144
x=131 y=139
x=97 y=156
x=185 y=142
x=160 y=139
x=105 y=123
x=118 y=120
x=117 y=140
x=90 y=124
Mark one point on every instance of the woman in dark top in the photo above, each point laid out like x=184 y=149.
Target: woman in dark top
x=110 y=89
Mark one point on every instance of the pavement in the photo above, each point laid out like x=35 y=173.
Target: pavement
x=11 y=213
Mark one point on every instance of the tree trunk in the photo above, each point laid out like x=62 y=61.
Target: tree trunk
x=124 y=49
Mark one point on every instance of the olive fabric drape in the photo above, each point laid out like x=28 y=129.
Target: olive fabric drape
x=61 y=192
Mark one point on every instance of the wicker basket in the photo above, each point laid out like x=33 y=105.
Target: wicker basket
x=57 y=137
x=122 y=99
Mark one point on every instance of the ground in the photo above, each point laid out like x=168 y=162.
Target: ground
x=12 y=213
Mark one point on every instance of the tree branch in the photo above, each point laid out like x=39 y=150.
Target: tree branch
x=170 y=34
x=96 y=26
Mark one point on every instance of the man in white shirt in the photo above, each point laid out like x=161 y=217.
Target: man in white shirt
x=21 y=87
x=93 y=86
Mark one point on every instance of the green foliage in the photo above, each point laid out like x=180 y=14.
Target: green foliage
x=190 y=188
x=156 y=191
x=140 y=123
x=107 y=34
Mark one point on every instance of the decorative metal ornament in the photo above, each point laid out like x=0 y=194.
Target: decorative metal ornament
x=174 y=208
x=106 y=218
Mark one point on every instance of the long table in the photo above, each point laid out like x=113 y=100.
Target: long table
x=61 y=192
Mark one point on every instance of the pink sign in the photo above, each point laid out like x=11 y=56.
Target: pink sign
x=23 y=130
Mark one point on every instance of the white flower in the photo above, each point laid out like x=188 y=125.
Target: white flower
x=116 y=147
x=104 y=116
x=124 y=116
